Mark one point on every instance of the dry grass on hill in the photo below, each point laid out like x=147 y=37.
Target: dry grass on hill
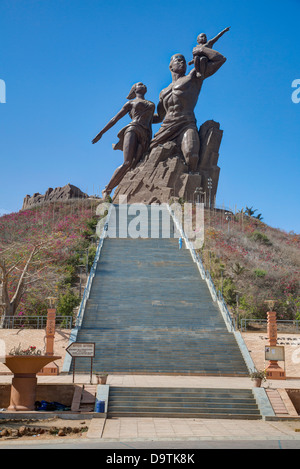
x=252 y=262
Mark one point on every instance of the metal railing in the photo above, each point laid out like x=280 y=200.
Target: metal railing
x=211 y=286
x=216 y=296
x=88 y=286
x=36 y=322
x=280 y=322
x=226 y=312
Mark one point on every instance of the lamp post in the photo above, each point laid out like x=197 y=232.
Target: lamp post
x=198 y=194
x=228 y=219
x=2 y=305
x=80 y=281
x=202 y=196
x=209 y=186
x=238 y=296
x=87 y=262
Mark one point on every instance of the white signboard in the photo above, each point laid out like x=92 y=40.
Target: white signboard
x=274 y=353
x=81 y=349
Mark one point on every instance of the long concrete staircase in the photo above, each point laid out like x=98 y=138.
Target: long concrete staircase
x=150 y=312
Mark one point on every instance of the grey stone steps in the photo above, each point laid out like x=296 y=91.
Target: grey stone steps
x=158 y=368
x=182 y=402
x=150 y=311
x=198 y=393
x=195 y=415
x=183 y=407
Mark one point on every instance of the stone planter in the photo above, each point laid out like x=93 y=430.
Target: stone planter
x=257 y=382
x=24 y=382
x=101 y=379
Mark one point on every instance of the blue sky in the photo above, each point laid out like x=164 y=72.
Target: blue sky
x=68 y=66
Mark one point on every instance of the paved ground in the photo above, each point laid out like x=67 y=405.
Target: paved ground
x=149 y=430
x=166 y=381
x=178 y=430
x=126 y=429
x=256 y=342
x=170 y=429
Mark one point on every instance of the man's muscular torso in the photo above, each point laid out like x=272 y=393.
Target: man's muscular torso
x=180 y=97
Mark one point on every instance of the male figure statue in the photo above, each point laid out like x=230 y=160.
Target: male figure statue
x=177 y=103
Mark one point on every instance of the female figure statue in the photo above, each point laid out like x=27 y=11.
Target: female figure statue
x=134 y=139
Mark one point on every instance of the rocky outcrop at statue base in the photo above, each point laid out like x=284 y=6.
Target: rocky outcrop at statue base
x=163 y=174
x=59 y=194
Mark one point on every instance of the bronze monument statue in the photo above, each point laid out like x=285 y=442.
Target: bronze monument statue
x=202 y=41
x=177 y=103
x=181 y=160
x=134 y=139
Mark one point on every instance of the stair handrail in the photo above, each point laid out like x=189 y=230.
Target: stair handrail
x=188 y=244
x=88 y=286
x=223 y=306
x=211 y=286
x=216 y=295
x=200 y=266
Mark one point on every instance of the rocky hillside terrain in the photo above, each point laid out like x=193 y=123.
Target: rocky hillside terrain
x=249 y=261
x=59 y=194
x=62 y=237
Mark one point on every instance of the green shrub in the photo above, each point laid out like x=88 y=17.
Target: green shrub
x=260 y=273
x=67 y=303
x=36 y=306
x=229 y=291
x=74 y=259
x=91 y=225
x=91 y=256
x=70 y=277
x=260 y=238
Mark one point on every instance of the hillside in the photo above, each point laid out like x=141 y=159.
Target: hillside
x=62 y=235
x=249 y=261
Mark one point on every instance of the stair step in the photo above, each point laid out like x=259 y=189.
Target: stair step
x=150 y=311
x=202 y=415
x=182 y=402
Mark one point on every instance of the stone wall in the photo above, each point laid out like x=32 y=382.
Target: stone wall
x=62 y=393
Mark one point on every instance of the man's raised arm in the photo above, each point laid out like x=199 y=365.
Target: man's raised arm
x=215 y=61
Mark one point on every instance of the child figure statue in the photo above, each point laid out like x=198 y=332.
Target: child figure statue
x=199 y=60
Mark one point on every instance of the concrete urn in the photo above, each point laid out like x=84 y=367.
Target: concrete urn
x=24 y=382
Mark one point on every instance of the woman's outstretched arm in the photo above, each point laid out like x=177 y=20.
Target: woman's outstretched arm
x=125 y=109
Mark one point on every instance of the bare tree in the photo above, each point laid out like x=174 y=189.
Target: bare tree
x=26 y=270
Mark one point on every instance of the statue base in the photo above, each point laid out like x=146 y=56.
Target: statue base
x=163 y=176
